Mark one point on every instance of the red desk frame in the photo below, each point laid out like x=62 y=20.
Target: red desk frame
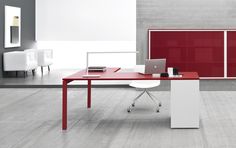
x=110 y=74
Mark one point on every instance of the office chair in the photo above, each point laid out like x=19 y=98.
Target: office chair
x=145 y=85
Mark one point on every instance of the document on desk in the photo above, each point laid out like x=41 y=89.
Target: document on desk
x=170 y=76
x=125 y=70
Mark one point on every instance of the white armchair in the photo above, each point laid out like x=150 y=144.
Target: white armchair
x=20 y=61
x=45 y=57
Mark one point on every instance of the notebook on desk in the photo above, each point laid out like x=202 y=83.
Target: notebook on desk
x=96 y=68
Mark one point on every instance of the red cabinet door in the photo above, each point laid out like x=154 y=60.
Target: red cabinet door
x=200 y=51
x=205 y=52
x=231 y=53
x=170 y=45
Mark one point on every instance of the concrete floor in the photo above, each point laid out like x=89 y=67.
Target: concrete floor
x=31 y=118
x=54 y=80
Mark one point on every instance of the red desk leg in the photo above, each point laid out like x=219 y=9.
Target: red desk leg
x=89 y=94
x=64 y=105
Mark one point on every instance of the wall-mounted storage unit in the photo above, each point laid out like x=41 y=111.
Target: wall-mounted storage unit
x=195 y=50
x=231 y=53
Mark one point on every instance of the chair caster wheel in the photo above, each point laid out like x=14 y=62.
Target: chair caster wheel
x=159 y=104
x=129 y=110
x=133 y=105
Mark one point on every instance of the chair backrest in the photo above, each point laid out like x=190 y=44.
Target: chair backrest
x=139 y=68
x=143 y=83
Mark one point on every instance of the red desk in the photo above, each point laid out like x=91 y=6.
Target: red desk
x=112 y=74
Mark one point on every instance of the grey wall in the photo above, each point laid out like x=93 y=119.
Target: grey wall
x=181 y=14
x=27 y=25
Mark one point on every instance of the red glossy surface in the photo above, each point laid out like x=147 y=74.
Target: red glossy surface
x=112 y=74
x=231 y=54
x=64 y=105
x=200 y=51
x=89 y=94
x=170 y=45
x=79 y=75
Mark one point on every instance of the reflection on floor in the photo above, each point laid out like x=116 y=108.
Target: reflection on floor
x=54 y=80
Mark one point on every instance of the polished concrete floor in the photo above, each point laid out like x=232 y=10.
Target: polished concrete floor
x=53 y=79
x=31 y=118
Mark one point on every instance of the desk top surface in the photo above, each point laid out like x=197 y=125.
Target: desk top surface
x=113 y=74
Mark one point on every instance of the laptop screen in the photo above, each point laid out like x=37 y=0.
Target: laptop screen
x=155 y=66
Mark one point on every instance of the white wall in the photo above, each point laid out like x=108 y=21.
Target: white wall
x=72 y=54
x=73 y=27
x=86 y=20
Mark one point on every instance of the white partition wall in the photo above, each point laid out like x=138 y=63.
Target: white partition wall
x=72 y=54
x=73 y=27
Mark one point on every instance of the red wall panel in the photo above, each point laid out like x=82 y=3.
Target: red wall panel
x=201 y=51
x=169 y=45
x=206 y=53
x=231 y=53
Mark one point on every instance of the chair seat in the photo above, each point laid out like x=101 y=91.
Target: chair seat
x=145 y=83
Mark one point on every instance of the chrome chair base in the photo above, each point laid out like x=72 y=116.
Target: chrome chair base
x=151 y=96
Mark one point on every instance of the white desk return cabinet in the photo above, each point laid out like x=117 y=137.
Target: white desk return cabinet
x=185 y=98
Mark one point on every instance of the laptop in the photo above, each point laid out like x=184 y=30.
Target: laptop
x=154 y=66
